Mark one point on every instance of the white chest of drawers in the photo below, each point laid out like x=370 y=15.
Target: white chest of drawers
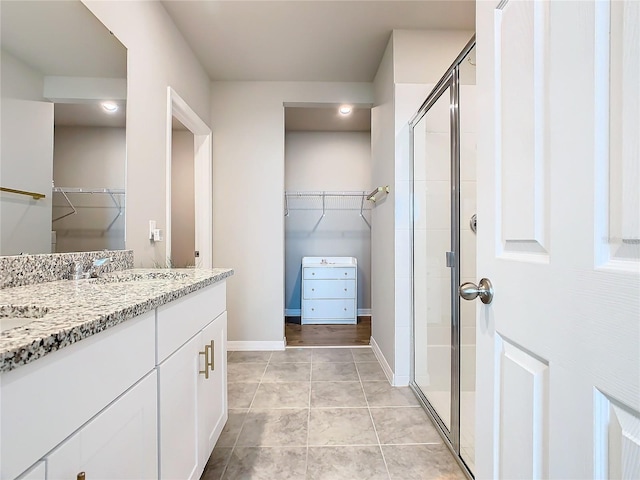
x=329 y=290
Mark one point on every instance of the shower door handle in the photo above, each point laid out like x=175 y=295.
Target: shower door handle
x=484 y=290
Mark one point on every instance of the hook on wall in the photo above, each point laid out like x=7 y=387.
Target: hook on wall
x=373 y=195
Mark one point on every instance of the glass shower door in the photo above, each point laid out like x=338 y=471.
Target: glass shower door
x=444 y=255
x=432 y=241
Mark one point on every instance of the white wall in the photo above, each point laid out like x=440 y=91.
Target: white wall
x=19 y=80
x=248 y=151
x=157 y=57
x=418 y=59
x=26 y=159
x=327 y=161
x=183 y=234
x=383 y=215
x=89 y=157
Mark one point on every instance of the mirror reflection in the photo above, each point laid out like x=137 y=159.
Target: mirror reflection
x=63 y=104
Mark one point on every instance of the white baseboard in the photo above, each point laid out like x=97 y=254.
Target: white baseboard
x=242 y=346
x=296 y=312
x=383 y=361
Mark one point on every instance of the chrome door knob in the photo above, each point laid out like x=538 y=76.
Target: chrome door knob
x=484 y=290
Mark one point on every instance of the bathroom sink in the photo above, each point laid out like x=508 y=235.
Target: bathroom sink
x=138 y=277
x=12 y=316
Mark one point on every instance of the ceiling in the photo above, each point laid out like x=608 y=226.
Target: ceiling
x=61 y=38
x=88 y=115
x=266 y=40
x=326 y=119
x=64 y=38
x=305 y=40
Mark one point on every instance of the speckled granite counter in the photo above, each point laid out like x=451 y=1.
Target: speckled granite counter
x=76 y=309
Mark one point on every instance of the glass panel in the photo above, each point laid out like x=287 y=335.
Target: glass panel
x=432 y=239
x=467 y=109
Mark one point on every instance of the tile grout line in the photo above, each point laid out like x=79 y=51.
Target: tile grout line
x=375 y=430
x=306 y=461
x=235 y=444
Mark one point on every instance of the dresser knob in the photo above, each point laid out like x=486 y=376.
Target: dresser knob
x=345 y=289
x=313 y=289
x=345 y=309
x=345 y=273
x=313 y=273
x=312 y=309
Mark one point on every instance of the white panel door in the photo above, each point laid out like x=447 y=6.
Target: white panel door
x=178 y=412
x=558 y=349
x=212 y=391
x=118 y=443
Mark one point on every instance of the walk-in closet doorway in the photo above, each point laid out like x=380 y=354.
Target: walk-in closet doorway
x=328 y=222
x=444 y=255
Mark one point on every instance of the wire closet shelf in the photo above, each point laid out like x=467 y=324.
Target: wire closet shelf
x=113 y=193
x=325 y=201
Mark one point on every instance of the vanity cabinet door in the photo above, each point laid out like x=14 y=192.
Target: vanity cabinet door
x=37 y=472
x=212 y=391
x=119 y=442
x=178 y=393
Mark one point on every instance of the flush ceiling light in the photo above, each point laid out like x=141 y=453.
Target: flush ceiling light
x=345 y=109
x=110 y=106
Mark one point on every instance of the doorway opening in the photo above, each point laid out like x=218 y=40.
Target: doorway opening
x=327 y=225
x=444 y=255
x=183 y=201
x=179 y=113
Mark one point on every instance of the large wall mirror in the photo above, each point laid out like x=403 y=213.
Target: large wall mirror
x=62 y=130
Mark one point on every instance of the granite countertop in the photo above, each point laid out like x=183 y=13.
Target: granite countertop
x=75 y=309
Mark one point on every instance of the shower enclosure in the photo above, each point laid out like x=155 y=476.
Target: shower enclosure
x=444 y=224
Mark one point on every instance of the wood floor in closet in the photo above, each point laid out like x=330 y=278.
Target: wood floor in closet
x=327 y=335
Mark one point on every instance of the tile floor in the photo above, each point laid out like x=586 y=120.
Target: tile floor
x=323 y=413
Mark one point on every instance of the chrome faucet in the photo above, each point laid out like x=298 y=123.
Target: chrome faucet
x=78 y=271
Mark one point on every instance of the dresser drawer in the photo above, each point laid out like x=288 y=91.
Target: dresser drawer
x=329 y=308
x=324 y=273
x=329 y=289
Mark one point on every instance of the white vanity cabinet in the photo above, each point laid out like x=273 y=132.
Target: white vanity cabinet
x=192 y=381
x=118 y=443
x=145 y=399
x=329 y=290
x=37 y=472
x=212 y=391
x=46 y=401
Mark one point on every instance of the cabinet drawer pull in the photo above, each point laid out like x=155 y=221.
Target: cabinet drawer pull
x=345 y=273
x=312 y=309
x=207 y=361
x=345 y=309
x=81 y=476
x=313 y=289
x=345 y=289
x=313 y=273
x=212 y=362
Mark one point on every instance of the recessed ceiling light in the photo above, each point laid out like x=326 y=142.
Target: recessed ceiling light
x=345 y=109
x=110 y=106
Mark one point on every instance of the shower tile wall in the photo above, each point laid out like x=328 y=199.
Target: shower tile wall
x=467 y=271
x=467 y=237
